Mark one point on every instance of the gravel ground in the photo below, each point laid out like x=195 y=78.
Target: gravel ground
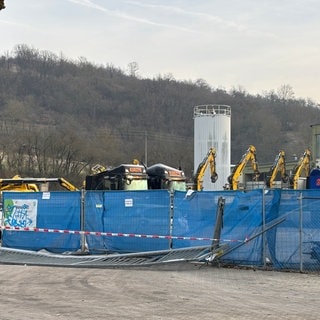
x=181 y=291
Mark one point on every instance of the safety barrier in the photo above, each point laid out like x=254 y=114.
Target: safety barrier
x=129 y=222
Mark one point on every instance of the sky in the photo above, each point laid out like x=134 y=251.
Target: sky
x=253 y=45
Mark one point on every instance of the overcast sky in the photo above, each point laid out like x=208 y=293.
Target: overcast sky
x=258 y=45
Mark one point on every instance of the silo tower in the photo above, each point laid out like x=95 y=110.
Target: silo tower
x=212 y=128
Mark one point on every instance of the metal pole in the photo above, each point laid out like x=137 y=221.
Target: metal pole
x=264 y=239
x=146 y=148
x=171 y=217
x=300 y=232
x=83 y=237
x=219 y=223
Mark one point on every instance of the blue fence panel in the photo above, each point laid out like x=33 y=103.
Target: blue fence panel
x=195 y=216
x=310 y=235
x=297 y=238
x=94 y=221
x=271 y=198
x=128 y=212
x=242 y=220
x=50 y=210
x=284 y=241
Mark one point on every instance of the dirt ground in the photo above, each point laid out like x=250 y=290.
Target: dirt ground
x=180 y=291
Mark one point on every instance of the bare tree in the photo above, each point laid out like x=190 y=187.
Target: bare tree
x=133 y=68
x=285 y=92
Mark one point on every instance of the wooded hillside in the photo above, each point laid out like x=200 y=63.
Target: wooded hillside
x=59 y=117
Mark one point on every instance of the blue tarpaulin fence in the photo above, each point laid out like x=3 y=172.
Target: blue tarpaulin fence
x=171 y=221
x=243 y=216
x=134 y=212
x=55 y=210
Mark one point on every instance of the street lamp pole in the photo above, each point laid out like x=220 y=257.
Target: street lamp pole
x=146 y=148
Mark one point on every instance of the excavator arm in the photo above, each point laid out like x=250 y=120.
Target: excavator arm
x=250 y=155
x=279 y=165
x=67 y=185
x=303 y=164
x=209 y=159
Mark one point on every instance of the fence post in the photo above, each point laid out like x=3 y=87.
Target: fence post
x=264 y=239
x=83 y=242
x=300 y=232
x=218 y=224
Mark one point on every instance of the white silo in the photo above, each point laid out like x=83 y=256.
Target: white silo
x=212 y=128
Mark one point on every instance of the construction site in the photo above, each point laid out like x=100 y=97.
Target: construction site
x=137 y=240
x=149 y=242
x=133 y=215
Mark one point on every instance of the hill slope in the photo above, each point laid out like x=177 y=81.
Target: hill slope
x=58 y=116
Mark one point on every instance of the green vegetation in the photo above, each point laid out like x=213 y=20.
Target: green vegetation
x=60 y=117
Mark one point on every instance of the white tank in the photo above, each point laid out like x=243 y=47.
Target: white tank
x=212 y=128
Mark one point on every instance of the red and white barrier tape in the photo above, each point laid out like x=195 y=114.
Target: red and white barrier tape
x=115 y=234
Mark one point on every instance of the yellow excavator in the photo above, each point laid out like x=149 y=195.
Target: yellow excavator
x=17 y=184
x=250 y=155
x=279 y=165
x=302 y=165
x=209 y=159
x=31 y=184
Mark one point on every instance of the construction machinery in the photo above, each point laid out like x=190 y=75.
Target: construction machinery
x=161 y=176
x=250 y=155
x=98 y=168
x=279 y=166
x=63 y=183
x=209 y=160
x=123 y=177
x=303 y=165
x=19 y=184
